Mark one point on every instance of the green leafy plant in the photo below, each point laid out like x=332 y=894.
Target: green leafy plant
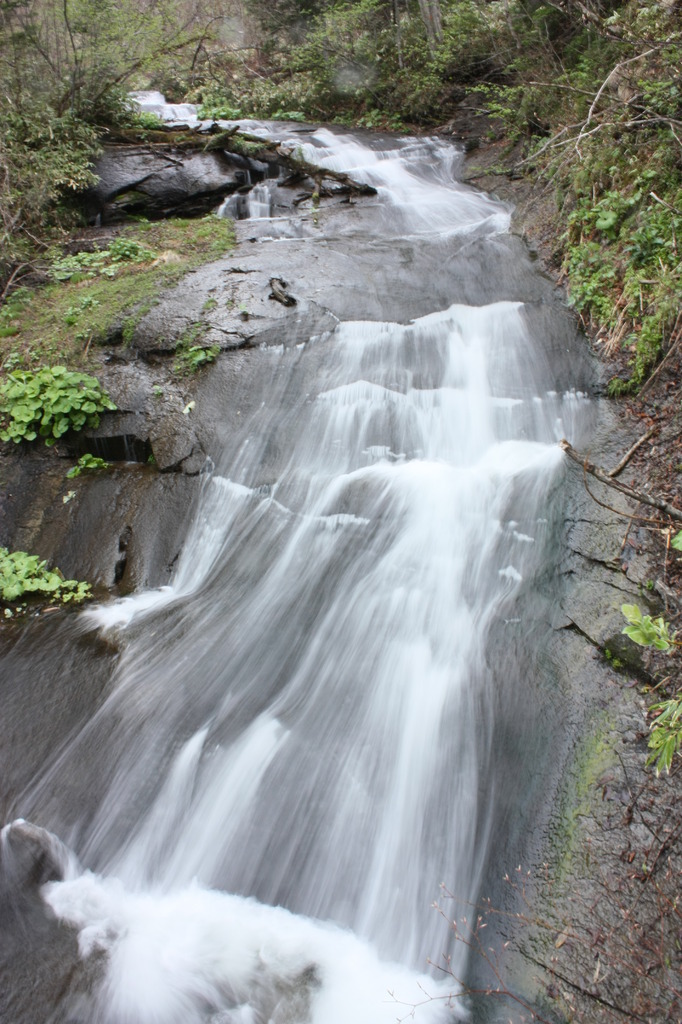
x=87 y=302
x=48 y=403
x=665 y=737
x=289 y=115
x=666 y=733
x=87 y=464
x=645 y=631
x=103 y=262
x=676 y=541
x=147 y=121
x=128 y=250
x=83 y=264
x=192 y=359
x=22 y=574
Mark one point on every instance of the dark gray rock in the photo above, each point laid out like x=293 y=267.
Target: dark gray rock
x=162 y=181
x=29 y=857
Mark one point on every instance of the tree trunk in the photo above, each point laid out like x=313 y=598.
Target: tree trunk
x=433 y=22
x=398 y=40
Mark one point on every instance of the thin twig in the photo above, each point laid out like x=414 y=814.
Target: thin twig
x=667 y=205
x=12 y=280
x=631 y=451
x=585 y=992
x=627 y=532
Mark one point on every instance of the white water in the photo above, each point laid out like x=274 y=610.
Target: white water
x=306 y=716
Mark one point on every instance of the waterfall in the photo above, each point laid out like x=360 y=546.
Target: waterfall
x=305 y=732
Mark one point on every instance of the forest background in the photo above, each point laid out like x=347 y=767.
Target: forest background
x=586 y=93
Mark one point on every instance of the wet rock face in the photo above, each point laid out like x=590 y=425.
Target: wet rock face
x=29 y=857
x=164 y=181
x=36 y=949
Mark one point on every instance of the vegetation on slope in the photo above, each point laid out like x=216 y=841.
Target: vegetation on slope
x=65 y=68
x=103 y=290
x=588 y=91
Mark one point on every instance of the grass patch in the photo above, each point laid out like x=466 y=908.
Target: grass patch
x=60 y=322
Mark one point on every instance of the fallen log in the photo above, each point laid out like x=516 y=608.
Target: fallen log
x=294 y=159
x=629 y=492
x=318 y=174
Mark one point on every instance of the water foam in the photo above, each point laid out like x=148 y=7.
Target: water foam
x=195 y=955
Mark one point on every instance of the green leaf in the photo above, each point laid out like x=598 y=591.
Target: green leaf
x=23 y=413
x=638 y=635
x=606 y=220
x=631 y=612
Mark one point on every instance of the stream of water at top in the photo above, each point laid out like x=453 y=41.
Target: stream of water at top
x=315 y=724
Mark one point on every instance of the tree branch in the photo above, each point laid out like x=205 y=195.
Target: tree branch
x=631 y=451
x=629 y=492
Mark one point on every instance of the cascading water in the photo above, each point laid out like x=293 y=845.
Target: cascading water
x=310 y=715
x=257 y=202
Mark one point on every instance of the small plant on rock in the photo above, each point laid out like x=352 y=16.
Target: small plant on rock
x=101 y=262
x=48 y=403
x=22 y=574
x=645 y=631
x=87 y=464
x=195 y=357
x=666 y=733
x=665 y=739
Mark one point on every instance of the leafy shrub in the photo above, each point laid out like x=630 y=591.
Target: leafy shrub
x=147 y=121
x=44 y=161
x=48 y=403
x=22 y=574
x=101 y=261
x=219 y=112
x=288 y=115
x=128 y=250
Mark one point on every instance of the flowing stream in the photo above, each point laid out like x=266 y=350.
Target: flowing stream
x=322 y=717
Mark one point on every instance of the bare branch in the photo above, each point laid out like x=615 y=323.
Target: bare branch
x=612 y=72
x=629 y=492
x=631 y=451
